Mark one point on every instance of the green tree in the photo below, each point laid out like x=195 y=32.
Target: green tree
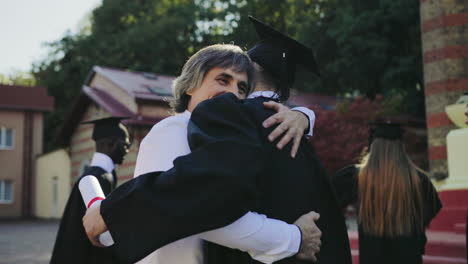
x=372 y=46
x=362 y=46
x=145 y=35
x=18 y=78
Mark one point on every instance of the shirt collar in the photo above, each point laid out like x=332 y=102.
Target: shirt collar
x=186 y=114
x=267 y=94
x=103 y=161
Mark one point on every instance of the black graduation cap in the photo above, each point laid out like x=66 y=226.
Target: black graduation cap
x=279 y=54
x=108 y=127
x=385 y=129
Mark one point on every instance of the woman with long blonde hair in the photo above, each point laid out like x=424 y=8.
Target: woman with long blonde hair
x=395 y=199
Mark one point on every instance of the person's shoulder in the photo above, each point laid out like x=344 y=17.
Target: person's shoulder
x=347 y=172
x=257 y=103
x=225 y=100
x=93 y=170
x=171 y=123
x=222 y=107
x=425 y=180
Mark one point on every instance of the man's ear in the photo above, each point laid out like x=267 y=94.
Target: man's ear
x=114 y=144
x=190 y=92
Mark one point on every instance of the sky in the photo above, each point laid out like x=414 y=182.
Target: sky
x=25 y=25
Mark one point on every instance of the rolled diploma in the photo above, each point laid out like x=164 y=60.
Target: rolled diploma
x=92 y=194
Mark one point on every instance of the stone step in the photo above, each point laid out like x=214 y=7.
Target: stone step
x=442 y=260
x=460 y=228
x=448 y=218
x=445 y=244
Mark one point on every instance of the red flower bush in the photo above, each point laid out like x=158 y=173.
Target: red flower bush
x=341 y=135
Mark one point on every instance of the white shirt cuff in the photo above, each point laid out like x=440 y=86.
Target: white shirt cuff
x=296 y=238
x=266 y=240
x=309 y=113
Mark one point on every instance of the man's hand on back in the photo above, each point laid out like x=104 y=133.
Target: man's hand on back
x=311 y=235
x=291 y=123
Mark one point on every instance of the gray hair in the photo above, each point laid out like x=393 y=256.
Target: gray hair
x=195 y=69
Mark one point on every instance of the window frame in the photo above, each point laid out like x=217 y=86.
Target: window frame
x=2 y=192
x=3 y=133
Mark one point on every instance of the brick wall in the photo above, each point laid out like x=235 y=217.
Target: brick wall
x=444 y=27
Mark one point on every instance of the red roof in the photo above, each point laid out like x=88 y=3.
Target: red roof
x=33 y=98
x=140 y=85
x=143 y=87
x=115 y=108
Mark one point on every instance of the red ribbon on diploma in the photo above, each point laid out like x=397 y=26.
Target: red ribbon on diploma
x=94 y=200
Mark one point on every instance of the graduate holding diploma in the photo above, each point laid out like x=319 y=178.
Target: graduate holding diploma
x=72 y=244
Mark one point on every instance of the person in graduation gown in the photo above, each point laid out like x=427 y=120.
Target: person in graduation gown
x=71 y=244
x=263 y=238
x=210 y=194
x=286 y=187
x=395 y=200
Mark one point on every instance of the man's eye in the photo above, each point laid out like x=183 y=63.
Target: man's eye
x=223 y=81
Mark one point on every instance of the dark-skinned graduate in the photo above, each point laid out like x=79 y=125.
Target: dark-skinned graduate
x=72 y=244
x=233 y=169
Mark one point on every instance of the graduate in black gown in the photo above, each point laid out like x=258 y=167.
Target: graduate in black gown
x=395 y=200
x=72 y=244
x=233 y=169
x=286 y=187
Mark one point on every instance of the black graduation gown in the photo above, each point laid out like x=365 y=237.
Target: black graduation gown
x=72 y=244
x=228 y=173
x=373 y=249
x=286 y=188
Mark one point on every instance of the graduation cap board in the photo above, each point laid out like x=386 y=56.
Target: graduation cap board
x=108 y=127
x=386 y=130
x=279 y=54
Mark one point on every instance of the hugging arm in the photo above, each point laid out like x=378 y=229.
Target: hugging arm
x=292 y=124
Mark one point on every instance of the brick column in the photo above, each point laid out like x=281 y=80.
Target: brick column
x=444 y=28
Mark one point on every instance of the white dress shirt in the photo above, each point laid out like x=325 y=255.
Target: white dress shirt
x=266 y=240
x=103 y=161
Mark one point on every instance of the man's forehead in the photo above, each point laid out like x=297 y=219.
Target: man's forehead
x=231 y=71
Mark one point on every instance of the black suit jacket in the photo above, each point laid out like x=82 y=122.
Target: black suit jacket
x=232 y=170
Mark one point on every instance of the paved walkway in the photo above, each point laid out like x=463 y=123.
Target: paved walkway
x=27 y=242
x=31 y=241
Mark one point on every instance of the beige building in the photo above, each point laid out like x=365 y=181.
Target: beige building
x=143 y=97
x=21 y=130
x=52 y=184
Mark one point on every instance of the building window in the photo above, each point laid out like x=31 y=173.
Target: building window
x=6 y=191
x=7 y=138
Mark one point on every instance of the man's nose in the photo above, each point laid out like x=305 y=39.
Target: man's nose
x=233 y=89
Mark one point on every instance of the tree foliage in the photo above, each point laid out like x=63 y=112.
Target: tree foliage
x=362 y=46
x=18 y=78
